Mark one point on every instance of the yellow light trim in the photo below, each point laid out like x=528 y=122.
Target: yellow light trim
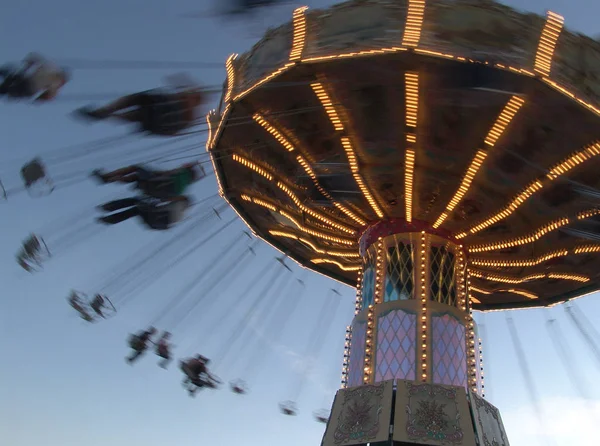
x=411 y=138
x=545 y=52
x=414 y=23
x=230 y=76
x=475 y=300
x=566 y=92
x=354 y=54
x=346 y=254
x=312 y=213
x=412 y=98
x=512 y=290
x=357 y=177
x=506 y=116
x=532 y=237
x=338 y=264
x=587 y=249
x=464 y=186
x=317 y=233
x=516 y=280
x=274 y=132
x=520 y=263
x=264 y=80
x=299 y=21
x=327 y=105
x=303 y=228
x=560 y=169
x=587 y=214
x=409 y=168
x=209 y=138
x=305 y=165
x=574 y=160
x=217 y=175
x=221 y=124
x=251 y=165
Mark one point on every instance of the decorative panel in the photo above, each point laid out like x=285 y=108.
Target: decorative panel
x=357 y=354
x=399 y=281
x=488 y=423
x=368 y=284
x=396 y=341
x=442 y=275
x=448 y=348
x=360 y=415
x=432 y=414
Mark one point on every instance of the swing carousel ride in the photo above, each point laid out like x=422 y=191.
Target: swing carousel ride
x=412 y=151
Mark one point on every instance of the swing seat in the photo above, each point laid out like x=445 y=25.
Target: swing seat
x=322 y=416
x=36 y=181
x=288 y=408
x=33 y=253
x=239 y=386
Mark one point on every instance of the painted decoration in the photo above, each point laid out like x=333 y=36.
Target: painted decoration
x=488 y=423
x=432 y=414
x=360 y=415
x=396 y=342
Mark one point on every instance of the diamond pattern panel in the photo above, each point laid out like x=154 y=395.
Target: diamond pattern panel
x=449 y=351
x=442 y=275
x=398 y=283
x=396 y=343
x=357 y=354
x=368 y=285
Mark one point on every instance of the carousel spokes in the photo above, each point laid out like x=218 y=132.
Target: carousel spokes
x=239 y=386
x=33 y=253
x=91 y=310
x=322 y=415
x=288 y=408
x=35 y=178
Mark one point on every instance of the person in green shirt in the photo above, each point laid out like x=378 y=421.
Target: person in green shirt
x=157 y=184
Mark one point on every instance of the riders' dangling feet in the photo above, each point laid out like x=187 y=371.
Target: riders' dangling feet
x=89 y=114
x=98 y=175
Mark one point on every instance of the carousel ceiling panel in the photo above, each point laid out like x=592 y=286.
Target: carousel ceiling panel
x=503 y=160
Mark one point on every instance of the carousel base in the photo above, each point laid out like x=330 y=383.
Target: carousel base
x=400 y=412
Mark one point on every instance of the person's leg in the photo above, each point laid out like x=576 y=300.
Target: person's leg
x=155 y=219
x=119 y=217
x=115 y=205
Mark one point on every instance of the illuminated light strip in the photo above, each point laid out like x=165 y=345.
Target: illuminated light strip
x=566 y=92
x=512 y=290
x=462 y=291
x=504 y=119
x=545 y=52
x=534 y=236
x=224 y=117
x=346 y=254
x=587 y=249
x=358 y=302
x=299 y=21
x=338 y=264
x=423 y=274
x=218 y=176
x=230 y=76
x=464 y=186
x=475 y=300
x=412 y=98
x=354 y=54
x=251 y=165
x=347 y=347
x=379 y=271
x=264 y=80
x=312 y=213
x=305 y=165
x=506 y=116
x=409 y=168
x=327 y=105
x=368 y=344
x=357 y=177
x=520 y=263
x=574 y=160
x=322 y=235
x=209 y=138
x=560 y=169
x=514 y=280
x=414 y=23
x=274 y=132
x=587 y=214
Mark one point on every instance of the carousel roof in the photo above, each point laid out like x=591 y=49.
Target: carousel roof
x=468 y=118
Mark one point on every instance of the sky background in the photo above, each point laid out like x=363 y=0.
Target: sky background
x=65 y=383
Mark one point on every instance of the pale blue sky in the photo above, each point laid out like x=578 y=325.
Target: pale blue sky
x=64 y=383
